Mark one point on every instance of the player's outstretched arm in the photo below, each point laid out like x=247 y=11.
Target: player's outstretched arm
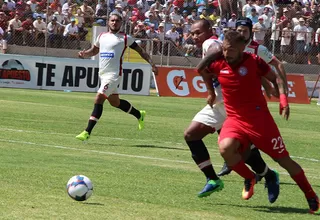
x=281 y=71
x=277 y=82
x=89 y=53
x=145 y=56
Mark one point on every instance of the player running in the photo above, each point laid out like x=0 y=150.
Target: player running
x=210 y=119
x=244 y=27
x=248 y=117
x=111 y=46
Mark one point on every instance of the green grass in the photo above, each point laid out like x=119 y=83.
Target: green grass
x=145 y=174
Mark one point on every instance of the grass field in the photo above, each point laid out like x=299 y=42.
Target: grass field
x=145 y=174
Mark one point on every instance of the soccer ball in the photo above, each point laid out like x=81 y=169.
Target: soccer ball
x=79 y=188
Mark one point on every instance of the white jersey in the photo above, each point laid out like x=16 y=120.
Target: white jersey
x=211 y=42
x=260 y=50
x=112 y=47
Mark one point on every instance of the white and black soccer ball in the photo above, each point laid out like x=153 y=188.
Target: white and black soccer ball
x=12 y=64
x=79 y=188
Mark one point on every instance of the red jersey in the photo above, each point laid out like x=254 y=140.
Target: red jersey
x=241 y=85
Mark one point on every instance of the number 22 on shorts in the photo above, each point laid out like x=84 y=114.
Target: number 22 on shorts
x=278 y=144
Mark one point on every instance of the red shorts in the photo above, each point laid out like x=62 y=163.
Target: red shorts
x=260 y=131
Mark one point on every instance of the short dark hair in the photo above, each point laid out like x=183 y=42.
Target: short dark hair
x=234 y=37
x=205 y=23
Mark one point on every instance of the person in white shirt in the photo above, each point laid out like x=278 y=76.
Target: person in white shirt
x=259 y=7
x=266 y=18
x=275 y=36
x=54 y=29
x=40 y=28
x=317 y=40
x=246 y=10
x=286 y=48
x=309 y=41
x=111 y=46
x=15 y=31
x=232 y=22
x=259 y=31
x=71 y=34
x=175 y=16
x=173 y=35
x=301 y=37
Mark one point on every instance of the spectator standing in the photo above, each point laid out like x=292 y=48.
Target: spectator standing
x=253 y=17
x=309 y=41
x=317 y=40
x=286 y=44
x=232 y=22
x=259 y=31
x=200 y=4
x=247 y=8
x=301 y=35
x=175 y=16
x=275 y=36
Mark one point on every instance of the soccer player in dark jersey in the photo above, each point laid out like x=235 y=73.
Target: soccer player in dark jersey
x=248 y=117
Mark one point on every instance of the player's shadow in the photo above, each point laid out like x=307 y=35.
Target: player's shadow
x=270 y=209
x=93 y=203
x=280 y=209
x=157 y=146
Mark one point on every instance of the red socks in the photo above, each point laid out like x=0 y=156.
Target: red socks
x=304 y=185
x=243 y=170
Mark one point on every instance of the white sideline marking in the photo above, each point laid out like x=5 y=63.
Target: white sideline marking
x=140 y=140
x=119 y=154
x=94 y=151
x=111 y=138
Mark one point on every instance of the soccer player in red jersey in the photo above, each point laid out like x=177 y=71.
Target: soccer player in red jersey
x=244 y=27
x=248 y=117
x=210 y=119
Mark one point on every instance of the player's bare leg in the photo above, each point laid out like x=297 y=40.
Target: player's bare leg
x=193 y=137
x=297 y=174
x=229 y=151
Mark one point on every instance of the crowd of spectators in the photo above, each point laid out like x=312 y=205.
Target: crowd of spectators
x=289 y=28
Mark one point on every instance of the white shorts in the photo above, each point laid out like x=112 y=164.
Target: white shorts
x=109 y=83
x=213 y=117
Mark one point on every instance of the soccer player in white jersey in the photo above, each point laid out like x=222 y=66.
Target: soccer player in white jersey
x=111 y=47
x=210 y=119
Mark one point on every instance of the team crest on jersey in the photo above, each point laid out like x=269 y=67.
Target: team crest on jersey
x=243 y=71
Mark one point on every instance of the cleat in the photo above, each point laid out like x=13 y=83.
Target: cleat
x=83 y=136
x=273 y=187
x=141 y=119
x=210 y=187
x=225 y=170
x=248 y=189
x=314 y=206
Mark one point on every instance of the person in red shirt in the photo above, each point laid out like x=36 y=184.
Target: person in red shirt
x=248 y=117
